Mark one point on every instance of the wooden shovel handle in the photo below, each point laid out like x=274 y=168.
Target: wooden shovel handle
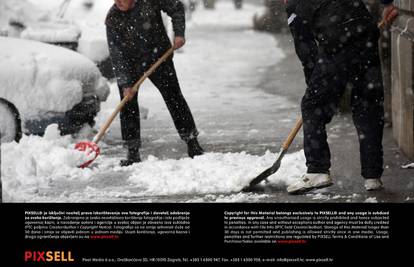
x=381 y=24
x=292 y=134
x=135 y=88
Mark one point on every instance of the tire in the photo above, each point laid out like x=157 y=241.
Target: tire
x=10 y=122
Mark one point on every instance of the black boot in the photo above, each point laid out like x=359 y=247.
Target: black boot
x=194 y=148
x=132 y=157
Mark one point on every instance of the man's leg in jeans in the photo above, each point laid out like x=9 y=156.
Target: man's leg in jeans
x=165 y=79
x=130 y=129
x=368 y=113
x=319 y=105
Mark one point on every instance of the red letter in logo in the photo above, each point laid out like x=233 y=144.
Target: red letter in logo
x=28 y=255
x=40 y=256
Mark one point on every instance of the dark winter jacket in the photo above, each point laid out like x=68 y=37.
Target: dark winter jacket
x=328 y=26
x=137 y=37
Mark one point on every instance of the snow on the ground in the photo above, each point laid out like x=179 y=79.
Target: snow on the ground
x=371 y=200
x=40 y=78
x=36 y=163
x=210 y=173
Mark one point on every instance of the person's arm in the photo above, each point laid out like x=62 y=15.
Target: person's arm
x=119 y=62
x=175 y=9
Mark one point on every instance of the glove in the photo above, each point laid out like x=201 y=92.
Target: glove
x=389 y=14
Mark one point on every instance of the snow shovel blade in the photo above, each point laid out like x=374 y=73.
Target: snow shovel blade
x=285 y=146
x=91 y=149
x=269 y=171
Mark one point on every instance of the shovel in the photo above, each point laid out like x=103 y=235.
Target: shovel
x=282 y=153
x=91 y=147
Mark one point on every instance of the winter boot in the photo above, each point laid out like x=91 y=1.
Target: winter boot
x=373 y=184
x=132 y=157
x=310 y=181
x=194 y=148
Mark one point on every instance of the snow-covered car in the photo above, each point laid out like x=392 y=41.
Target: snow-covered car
x=49 y=84
x=23 y=19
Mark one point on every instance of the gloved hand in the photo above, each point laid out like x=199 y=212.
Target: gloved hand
x=389 y=14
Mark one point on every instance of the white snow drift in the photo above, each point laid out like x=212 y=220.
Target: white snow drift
x=36 y=163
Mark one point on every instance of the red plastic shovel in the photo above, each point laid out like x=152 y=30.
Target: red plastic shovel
x=91 y=147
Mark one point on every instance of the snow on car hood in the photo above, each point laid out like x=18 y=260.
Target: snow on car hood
x=40 y=78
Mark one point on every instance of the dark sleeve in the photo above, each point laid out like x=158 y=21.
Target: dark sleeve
x=386 y=2
x=305 y=45
x=306 y=10
x=175 y=9
x=119 y=63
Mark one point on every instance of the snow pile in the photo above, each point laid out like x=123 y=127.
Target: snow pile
x=211 y=173
x=35 y=162
x=320 y=196
x=41 y=79
x=33 y=168
x=371 y=200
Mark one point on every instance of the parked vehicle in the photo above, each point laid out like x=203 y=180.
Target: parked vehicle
x=10 y=123
x=48 y=84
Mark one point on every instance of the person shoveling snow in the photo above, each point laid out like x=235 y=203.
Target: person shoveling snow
x=136 y=40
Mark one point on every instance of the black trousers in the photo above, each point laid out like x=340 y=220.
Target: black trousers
x=165 y=79
x=358 y=68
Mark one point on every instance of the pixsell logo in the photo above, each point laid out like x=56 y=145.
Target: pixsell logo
x=48 y=256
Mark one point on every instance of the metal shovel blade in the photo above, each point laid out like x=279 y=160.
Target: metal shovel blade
x=266 y=173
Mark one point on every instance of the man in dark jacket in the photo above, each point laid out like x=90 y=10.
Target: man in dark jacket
x=336 y=41
x=136 y=39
